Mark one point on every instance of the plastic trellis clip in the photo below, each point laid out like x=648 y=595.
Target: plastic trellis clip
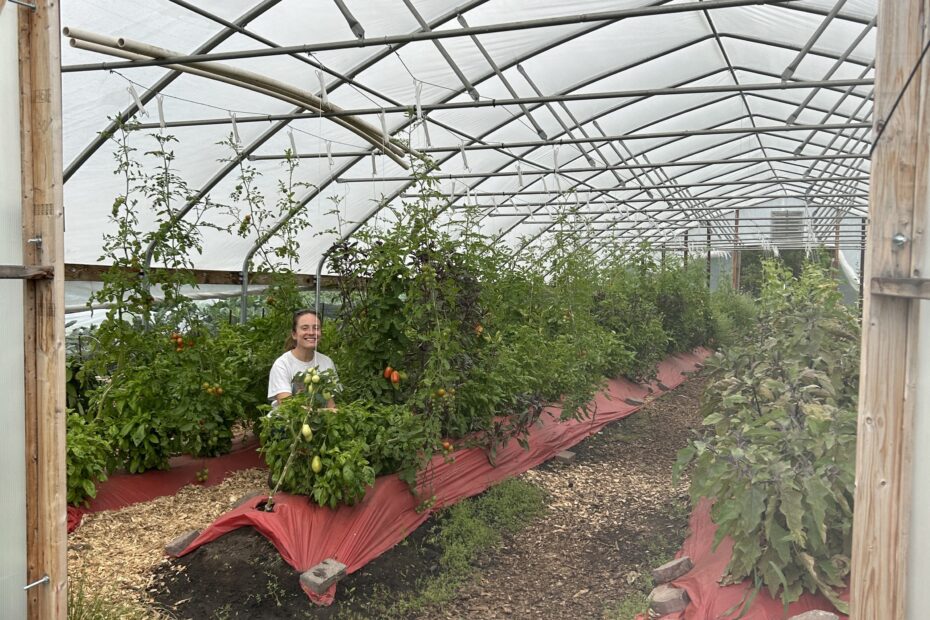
x=329 y=154
x=374 y=165
x=519 y=175
x=137 y=100
x=418 y=90
x=464 y=159
x=290 y=136
x=235 y=128
x=323 y=95
x=384 y=131
x=161 y=112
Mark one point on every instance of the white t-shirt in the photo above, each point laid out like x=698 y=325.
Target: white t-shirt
x=286 y=366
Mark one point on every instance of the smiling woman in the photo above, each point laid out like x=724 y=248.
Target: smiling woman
x=301 y=356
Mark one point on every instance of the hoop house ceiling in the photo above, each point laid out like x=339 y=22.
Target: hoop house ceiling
x=660 y=119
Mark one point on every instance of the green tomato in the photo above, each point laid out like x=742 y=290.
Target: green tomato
x=316 y=465
x=307 y=432
x=315 y=378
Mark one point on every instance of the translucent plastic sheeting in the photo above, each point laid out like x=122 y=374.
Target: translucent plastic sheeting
x=715 y=47
x=12 y=415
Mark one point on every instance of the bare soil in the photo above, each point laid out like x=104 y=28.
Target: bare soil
x=613 y=514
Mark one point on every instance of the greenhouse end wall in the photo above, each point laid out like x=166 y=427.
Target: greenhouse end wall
x=12 y=415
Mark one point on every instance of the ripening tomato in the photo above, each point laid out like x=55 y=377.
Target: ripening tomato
x=387 y=372
x=395 y=377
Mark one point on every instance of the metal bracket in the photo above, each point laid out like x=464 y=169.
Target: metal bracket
x=39 y=582
x=23 y=3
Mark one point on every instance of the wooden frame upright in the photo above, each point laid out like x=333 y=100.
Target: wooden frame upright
x=43 y=301
x=899 y=208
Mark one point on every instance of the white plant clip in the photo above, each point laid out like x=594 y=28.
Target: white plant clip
x=464 y=159
x=159 y=99
x=290 y=136
x=324 y=97
x=329 y=154
x=384 y=131
x=235 y=128
x=137 y=100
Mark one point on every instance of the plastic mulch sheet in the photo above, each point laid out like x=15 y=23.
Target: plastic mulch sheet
x=306 y=534
x=709 y=599
x=121 y=490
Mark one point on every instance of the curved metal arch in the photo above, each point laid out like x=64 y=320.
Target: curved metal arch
x=675 y=177
x=270 y=132
x=124 y=116
x=511 y=63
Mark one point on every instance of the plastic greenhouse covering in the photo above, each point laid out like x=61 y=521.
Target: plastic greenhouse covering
x=659 y=120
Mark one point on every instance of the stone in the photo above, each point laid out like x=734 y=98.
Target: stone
x=662 y=386
x=815 y=615
x=565 y=456
x=182 y=542
x=634 y=401
x=666 y=599
x=672 y=570
x=318 y=578
x=246 y=498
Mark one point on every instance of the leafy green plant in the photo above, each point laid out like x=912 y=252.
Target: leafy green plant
x=333 y=456
x=87 y=454
x=778 y=459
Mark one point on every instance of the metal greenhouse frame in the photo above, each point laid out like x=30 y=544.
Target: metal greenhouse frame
x=691 y=125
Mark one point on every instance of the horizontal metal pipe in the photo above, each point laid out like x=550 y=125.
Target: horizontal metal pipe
x=619 y=94
x=605 y=16
x=786 y=181
x=669 y=164
x=536 y=143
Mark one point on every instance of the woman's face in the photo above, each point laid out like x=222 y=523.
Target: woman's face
x=307 y=334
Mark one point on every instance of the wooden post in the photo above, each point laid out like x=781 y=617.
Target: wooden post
x=898 y=220
x=736 y=253
x=43 y=232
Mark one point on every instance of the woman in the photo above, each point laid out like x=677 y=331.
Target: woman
x=300 y=357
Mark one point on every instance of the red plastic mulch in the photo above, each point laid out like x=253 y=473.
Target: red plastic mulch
x=708 y=598
x=121 y=490
x=306 y=534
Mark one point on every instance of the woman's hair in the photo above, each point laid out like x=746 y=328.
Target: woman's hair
x=290 y=343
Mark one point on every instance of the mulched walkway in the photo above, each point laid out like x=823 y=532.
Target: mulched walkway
x=614 y=514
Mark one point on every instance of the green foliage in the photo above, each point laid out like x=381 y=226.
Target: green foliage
x=779 y=459
x=86 y=458
x=86 y=605
x=734 y=315
x=354 y=444
x=463 y=532
x=482 y=341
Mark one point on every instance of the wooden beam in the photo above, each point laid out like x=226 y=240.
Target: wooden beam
x=898 y=217
x=26 y=272
x=911 y=288
x=76 y=272
x=44 y=354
